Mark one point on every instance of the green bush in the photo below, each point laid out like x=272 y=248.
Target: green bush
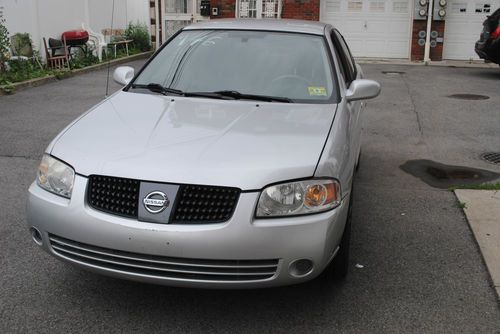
x=81 y=60
x=139 y=33
x=20 y=70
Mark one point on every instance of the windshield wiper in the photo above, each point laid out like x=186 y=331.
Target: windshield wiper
x=237 y=95
x=221 y=94
x=157 y=88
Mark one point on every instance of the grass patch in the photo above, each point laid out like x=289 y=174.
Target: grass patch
x=461 y=205
x=482 y=186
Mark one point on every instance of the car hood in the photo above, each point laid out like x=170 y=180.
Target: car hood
x=244 y=144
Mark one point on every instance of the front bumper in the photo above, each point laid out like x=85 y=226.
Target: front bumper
x=127 y=248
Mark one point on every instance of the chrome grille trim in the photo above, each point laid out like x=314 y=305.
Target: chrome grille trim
x=164 y=267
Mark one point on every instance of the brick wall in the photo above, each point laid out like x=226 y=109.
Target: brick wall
x=292 y=9
x=227 y=8
x=417 y=51
x=301 y=9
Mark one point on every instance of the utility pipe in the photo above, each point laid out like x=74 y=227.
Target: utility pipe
x=427 y=49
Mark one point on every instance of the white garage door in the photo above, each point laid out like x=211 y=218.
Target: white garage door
x=464 y=23
x=372 y=28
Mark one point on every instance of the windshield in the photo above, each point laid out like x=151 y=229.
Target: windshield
x=288 y=65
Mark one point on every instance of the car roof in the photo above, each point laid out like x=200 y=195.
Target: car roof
x=298 y=26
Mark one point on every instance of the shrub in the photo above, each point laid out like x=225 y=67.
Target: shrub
x=81 y=60
x=139 y=33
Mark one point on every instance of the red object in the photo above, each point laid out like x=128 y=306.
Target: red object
x=495 y=34
x=75 y=37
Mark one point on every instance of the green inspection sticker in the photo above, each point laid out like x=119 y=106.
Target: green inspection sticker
x=317 y=91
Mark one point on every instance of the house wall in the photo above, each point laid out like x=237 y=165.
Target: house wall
x=49 y=18
x=227 y=8
x=292 y=9
x=417 y=51
x=301 y=9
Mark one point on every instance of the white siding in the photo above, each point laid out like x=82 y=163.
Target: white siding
x=49 y=18
x=464 y=23
x=372 y=28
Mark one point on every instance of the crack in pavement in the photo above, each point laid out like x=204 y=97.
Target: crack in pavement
x=414 y=107
x=18 y=156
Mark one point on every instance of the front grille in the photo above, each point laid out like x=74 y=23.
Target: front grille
x=164 y=267
x=113 y=195
x=204 y=204
x=195 y=204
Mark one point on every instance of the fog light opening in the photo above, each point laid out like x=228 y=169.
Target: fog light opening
x=301 y=268
x=37 y=236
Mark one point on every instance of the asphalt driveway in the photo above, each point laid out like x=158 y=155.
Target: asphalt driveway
x=421 y=269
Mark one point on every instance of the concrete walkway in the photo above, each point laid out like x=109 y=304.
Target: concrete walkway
x=482 y=208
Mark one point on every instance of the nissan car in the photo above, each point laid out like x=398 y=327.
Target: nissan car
x=226 y=161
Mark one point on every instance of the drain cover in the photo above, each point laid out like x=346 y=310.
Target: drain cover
x=468 y=97
x=393 y=72
x=493 y=157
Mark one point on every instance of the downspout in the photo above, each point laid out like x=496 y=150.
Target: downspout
x=427 y=49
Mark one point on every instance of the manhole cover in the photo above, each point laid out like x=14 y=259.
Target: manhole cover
x=393 y=72
x=493 y=157
x=468 y=97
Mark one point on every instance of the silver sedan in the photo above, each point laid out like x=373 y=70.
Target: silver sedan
x=226 y=161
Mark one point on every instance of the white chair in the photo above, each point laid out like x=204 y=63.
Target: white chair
x=97 y=40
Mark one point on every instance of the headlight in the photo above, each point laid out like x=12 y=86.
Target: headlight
x=55 y=176
x=298 y=198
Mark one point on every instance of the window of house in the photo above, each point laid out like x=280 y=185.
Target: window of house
x=258 y=9
x=355 y=6
x=400 y=6
x=332 y=6
x=482 y=7
x=377 y=6
x=459 y=7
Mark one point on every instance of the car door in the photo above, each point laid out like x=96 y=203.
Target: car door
x=350 y=73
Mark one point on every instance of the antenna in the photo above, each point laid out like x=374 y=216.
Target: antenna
x=109 y=60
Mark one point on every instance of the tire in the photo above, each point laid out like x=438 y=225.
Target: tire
x=339 y=267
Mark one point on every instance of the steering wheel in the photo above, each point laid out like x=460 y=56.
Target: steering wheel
x=289 y=85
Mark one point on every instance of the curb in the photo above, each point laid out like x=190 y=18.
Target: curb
x=482 y=214
x=51 y=78
x=444 y=63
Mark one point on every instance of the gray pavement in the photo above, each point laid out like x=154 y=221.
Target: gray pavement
x=423 y=272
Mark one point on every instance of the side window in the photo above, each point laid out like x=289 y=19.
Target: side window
x=348 y=60
x=340 y=61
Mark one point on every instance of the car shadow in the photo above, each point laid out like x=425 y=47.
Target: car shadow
x=487 y=74
x=201 y=309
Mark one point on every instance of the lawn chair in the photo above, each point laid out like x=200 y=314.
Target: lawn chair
x=22 y=49
x=57 y=53
x=115 y=38
x=97 y=41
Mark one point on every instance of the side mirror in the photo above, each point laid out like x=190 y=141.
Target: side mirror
x=362 y=89
x=123 y=75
